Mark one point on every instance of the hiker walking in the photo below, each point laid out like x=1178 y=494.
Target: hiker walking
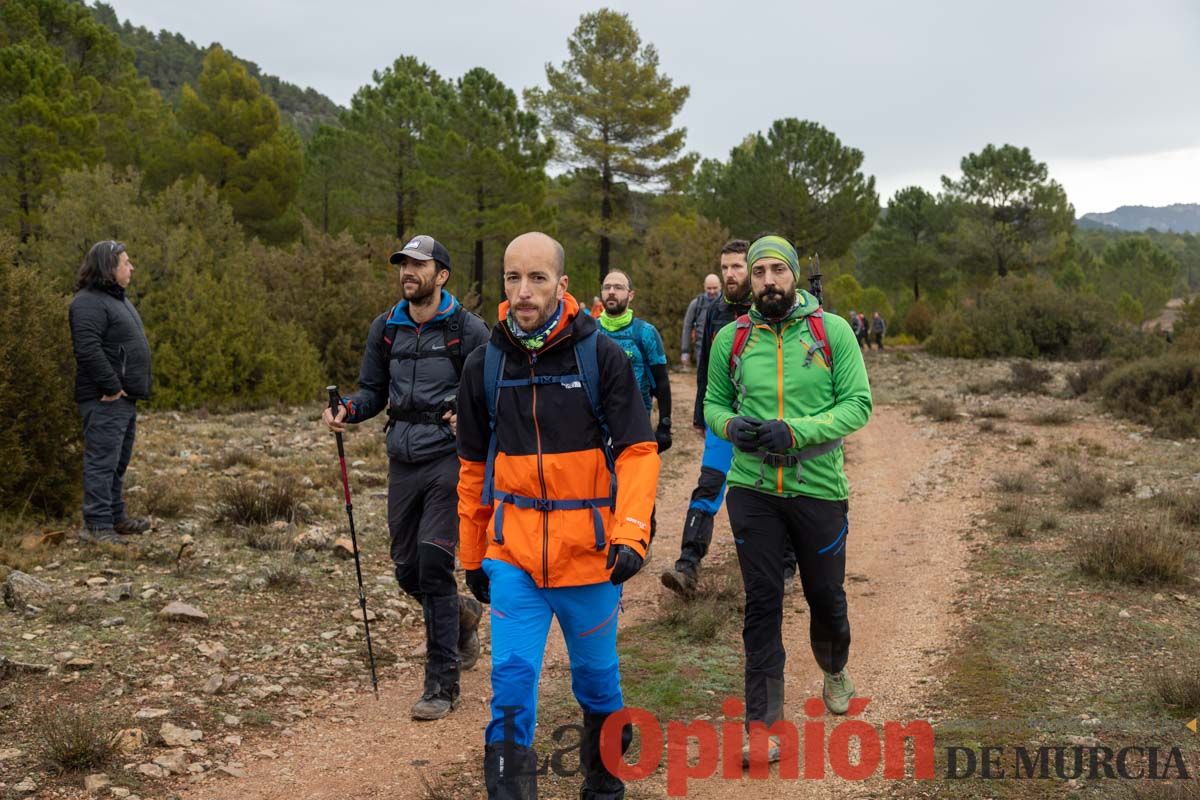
x=559 y=472
x=112 y=372
x=796 y=386
x=862 y=331
x=878 y=326
x=734 y=301
x=642 y=343
x=411 y=369
x=692 y=341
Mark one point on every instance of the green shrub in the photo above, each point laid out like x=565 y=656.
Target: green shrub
x=39 y=439
x=1027 y=318
x=918 y=321
x=952 y=337
x=1162 y=392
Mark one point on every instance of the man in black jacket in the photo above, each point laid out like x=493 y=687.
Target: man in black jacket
x=411 y=368
x=112 y=359
x=706 y=500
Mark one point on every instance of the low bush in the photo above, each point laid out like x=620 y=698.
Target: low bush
x=1161 y=392
x=1137 y=551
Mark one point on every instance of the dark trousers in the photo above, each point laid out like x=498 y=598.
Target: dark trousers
x=763 y=525
x=423 y=526
x=108 y=433
x=877 y=336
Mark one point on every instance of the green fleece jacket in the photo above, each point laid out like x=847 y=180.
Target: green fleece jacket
x=819 y=405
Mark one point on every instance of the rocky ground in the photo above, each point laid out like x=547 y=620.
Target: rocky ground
x=226 y=649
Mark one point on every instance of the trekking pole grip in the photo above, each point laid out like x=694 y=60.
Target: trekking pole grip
x=335 y=398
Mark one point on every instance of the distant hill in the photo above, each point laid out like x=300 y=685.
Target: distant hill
x=1180 y=218
x=168 y=61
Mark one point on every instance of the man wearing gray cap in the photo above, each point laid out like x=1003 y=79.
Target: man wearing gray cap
x=411 y=368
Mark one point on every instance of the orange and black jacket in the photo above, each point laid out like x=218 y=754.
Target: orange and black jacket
x=549 y=447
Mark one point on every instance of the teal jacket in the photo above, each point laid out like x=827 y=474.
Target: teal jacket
x=818 y=404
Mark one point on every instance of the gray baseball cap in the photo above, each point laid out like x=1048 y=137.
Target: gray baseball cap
x=423 y=248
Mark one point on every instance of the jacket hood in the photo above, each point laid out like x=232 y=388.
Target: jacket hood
x=399 y=314
x=571 y=318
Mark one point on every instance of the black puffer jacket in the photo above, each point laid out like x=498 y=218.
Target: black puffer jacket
x=411 y=375
x=111 y=350
x=720 y=313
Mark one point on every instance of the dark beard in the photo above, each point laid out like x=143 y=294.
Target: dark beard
x=740 y=293
x=418 y=295
x=774 y=305
x=615 y=312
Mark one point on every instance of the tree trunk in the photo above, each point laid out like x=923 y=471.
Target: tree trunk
x=400 y=195
x=916 y=287
x=605 y=216
x=477 y=267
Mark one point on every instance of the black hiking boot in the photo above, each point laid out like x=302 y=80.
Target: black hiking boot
x=101 y=536
x=132 y=526
x=510 y=771
x=598 y=782
x=470 y=611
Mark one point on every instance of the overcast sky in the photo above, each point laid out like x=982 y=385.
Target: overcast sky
x=1107 y=93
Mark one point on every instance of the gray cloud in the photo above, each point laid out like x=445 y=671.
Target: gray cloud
x=914 y=85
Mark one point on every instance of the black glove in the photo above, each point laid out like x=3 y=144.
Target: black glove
x=624 y=562
x=775 y=436
x=743 y=432
x=480 y=585
x=662 y=435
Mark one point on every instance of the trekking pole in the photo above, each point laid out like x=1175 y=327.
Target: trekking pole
x=335 y=401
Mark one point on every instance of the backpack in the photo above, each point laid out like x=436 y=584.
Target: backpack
x=589 y=375
x=453 y=327
x=816 y=329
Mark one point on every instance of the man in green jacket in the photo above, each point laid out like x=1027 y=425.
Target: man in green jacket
x=785 y=399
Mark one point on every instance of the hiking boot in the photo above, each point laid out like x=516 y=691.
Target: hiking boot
x=772 y=753
x=101 y=536
x=837 y=692
x=435 y=703
x=132 y=526
x=470 y=611
x=680 y=581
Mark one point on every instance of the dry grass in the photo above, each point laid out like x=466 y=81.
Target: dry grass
x=1012 y=482
x=992 y=412
x=1016 y=521
x=1055 y=416
x=253 y=503
x=1084 y=490
x=74 y=739
x=939 y=409
x=719 y=600
x=1180 y=690
x=168 y=499
x=283 y=574
x=1136 y=551
x=1185 y=507
x=237 y=458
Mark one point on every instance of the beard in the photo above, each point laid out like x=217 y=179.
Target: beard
x=736 y=291
x=774 y=303
x=419 y=292
x=615 y=307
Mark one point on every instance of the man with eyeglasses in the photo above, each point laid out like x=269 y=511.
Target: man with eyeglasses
x=643 y=345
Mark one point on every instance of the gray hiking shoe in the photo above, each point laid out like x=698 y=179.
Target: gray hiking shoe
x=101 y=536
x=772 y=753
x=132 y=526
x=680 y=581
x=837 y=692
x=435 y=703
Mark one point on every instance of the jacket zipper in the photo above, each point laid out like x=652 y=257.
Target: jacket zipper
x=541 y=478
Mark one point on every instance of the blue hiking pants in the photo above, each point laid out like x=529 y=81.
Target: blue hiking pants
x=521 y=614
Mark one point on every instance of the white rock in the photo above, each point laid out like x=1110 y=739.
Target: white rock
x=27 y=786
x=173 y=761
x=175 y=736
x=152 y=771
x=96 y=782
x=151 y=713
x=183 y=612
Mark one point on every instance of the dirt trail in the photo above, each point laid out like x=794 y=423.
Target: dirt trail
x=912 y=501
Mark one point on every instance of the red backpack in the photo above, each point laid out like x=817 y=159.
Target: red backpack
x=741 y=335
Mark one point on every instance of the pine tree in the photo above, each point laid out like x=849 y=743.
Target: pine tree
x=612 y=110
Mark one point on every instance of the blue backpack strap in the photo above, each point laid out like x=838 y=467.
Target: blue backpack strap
x=639 y=328
x=493 y=371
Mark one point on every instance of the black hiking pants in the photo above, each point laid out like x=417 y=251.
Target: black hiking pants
x=423 y=525
x=817 y=529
